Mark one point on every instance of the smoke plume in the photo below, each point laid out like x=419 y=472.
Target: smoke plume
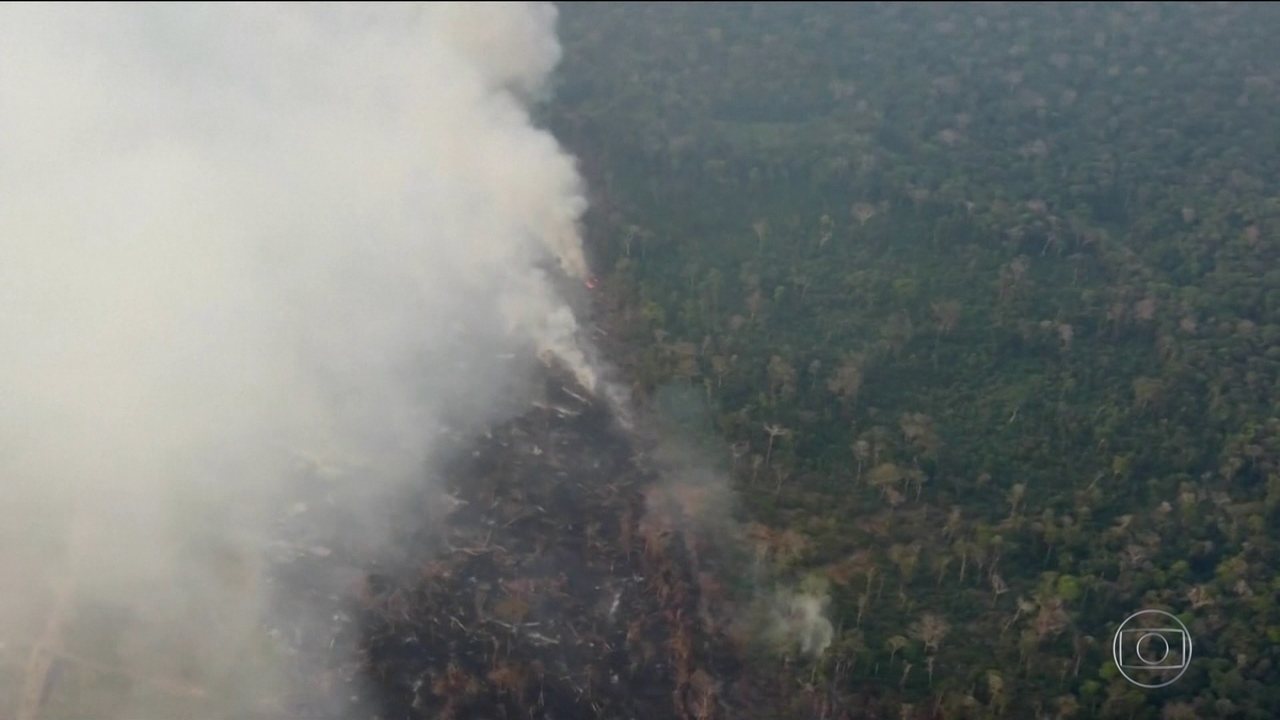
x=242 y=244
x=783 y=613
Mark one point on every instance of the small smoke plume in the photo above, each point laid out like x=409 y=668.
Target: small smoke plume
x=695 y=494
x=798 y=620
x=240 y=243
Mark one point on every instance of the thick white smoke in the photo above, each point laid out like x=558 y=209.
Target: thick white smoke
x=235 y=240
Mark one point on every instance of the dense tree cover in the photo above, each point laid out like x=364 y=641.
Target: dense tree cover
x=986 y=300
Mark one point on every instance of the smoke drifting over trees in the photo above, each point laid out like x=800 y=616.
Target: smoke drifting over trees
x=243 y=245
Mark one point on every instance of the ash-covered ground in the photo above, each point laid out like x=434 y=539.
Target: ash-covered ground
x=558 y=581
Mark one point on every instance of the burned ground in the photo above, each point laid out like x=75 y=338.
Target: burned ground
x=561 y=581
x=547 y=592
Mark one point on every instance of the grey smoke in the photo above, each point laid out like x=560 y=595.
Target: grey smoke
x=240 y=242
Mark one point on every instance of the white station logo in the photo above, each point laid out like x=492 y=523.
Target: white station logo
x=1152 y=648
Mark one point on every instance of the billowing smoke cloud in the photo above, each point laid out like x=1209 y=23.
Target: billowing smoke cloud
x=237 y=242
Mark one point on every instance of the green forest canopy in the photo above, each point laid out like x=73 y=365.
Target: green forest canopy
x=1003 y=282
